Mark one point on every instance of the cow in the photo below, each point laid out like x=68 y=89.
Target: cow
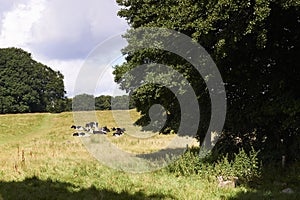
x=91 y=125
x=119 y=131
x=80 y=128
x=103 y=130
x=75 y=134
x=80 y=134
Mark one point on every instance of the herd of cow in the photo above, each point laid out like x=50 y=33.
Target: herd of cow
x=92 y=128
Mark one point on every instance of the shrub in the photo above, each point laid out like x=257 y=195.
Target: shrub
x=244 y=166
x=188 y=164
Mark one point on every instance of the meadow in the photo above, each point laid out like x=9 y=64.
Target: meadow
x=40 y=159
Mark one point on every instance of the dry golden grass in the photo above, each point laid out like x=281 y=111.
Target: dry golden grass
x=28 y=140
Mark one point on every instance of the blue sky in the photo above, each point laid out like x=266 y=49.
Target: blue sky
x=62 y=33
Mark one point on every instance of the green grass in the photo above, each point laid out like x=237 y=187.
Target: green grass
x=39 y=159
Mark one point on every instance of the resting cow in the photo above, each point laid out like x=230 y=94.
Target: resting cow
x=119 y=131
x=80 y=128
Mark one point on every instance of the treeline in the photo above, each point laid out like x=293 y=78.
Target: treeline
x=28 y=86
x=86 y=102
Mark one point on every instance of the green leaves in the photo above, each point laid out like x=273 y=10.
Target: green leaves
x=255 y=44
x=26 y=85
x=83 y=102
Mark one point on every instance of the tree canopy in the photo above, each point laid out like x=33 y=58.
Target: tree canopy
x=27 y=85
x=86 y=102
x=103 y=102
x=255 y=45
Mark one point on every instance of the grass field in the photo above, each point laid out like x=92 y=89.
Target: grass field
x=39 y=159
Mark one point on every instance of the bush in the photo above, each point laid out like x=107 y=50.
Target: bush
x=244 y=166
x=188 y=164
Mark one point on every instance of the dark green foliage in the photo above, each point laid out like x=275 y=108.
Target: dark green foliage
x=188 y=164
x=244 y=166
x=68 y=105
x=27 y=85
x=106 y=102
x=83 y=102
x=123 y=102
x=255 y=45
x=86 y=102
x=103 y=102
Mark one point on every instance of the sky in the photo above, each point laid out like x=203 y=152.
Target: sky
x=63 y=34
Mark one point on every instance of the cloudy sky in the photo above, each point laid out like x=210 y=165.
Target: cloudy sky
x=63 y=33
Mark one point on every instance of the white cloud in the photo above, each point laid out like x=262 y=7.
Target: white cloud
x=7 y=6
x=72 y=69
x=61 y=33
x=95 y=74
x=16 y=24
x=67 y=32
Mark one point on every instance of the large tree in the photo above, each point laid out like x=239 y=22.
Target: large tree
x=27 y=85
x=255 y=44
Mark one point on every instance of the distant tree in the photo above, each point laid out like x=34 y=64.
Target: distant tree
x=68 y=104
x=123 y=102
x=103 y=102
x=27 y=85
x=83 y=102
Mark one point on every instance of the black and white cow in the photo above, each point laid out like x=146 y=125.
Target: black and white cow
x=119 y=131
x=91 y=125
x=103 y=130
x=80 y=134
x=80 y=128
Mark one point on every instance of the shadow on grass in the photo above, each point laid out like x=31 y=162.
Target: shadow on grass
x=34 y=188
x=273 y=181
x=265 y=195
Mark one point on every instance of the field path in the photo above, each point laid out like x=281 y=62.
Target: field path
x=24 y=127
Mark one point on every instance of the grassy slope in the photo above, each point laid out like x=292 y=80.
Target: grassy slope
x=39 y=159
